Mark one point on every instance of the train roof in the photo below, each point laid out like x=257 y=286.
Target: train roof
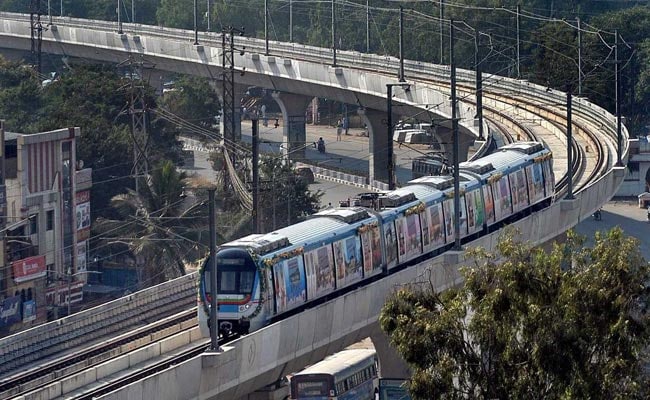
x=340 y=362
x=504 y=159
x=323 y=223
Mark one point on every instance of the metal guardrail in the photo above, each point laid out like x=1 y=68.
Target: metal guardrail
x=57 y=336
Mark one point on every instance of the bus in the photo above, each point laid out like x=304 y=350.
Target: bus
x=347 y=375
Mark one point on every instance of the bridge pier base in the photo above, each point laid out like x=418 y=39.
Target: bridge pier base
x=377 y=140
x=391 y=364
x=294 y=135
x=464 y=143
x=240 y=90
x=279 y=391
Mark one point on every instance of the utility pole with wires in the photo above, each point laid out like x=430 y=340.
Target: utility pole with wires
x=36 y=32
x=139 y=120
x=228 y=93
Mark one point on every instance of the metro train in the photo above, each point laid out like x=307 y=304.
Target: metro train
x=263 y=277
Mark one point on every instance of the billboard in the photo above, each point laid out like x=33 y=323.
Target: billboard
x=10 y=311
x=81 y=256
x=29 y=268
x=29 y=310
x=393 y=389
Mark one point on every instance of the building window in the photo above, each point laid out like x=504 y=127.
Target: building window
x=33 y=224
x=50 y=220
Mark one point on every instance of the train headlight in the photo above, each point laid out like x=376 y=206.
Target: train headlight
x=244 y=307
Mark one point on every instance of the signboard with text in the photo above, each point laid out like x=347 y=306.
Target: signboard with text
x=58 y=295
x=29 y=268
x=10 y=311
x=393 y=389
x=29 y=311
x=81 y=256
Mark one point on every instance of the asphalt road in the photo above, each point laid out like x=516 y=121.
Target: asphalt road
x=624 y=213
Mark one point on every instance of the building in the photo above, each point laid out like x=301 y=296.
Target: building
x=637 y=178
x=45 y=223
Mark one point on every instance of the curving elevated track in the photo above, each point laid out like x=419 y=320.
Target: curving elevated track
x=75 y=357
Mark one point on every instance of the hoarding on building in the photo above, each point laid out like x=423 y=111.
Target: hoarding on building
x=58 y=295
x=393 y=389
x=83 y=210
x=29 y=268
x=81 y=256
x=10 y=311
x=29 y=311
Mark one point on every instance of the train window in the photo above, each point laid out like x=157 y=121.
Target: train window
x=246 y=281
x=227 y=281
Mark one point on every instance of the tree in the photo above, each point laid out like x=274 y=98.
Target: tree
x=20 y=96
x=286 y=193
x=526 y=328
x=194 y=100
x=159 y=225
x=96 y=99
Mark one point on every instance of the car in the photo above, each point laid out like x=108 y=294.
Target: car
x=305 y=173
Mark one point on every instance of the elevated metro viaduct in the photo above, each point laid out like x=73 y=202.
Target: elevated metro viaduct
x=264 y=356
x=296 y=74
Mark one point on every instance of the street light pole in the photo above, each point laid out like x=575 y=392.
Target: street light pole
x=454 y=128
x=214 y=333
x=119 y=16
x=196 y=23
x=389 y=123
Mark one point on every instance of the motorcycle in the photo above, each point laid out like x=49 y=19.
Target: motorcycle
x=598 y=216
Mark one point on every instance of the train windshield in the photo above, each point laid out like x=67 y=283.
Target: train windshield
x=235 y=272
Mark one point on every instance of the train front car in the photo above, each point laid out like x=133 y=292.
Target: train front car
x=238 y=288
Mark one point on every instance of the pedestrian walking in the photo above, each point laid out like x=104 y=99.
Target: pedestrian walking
x=346 y=125
x=339 y=130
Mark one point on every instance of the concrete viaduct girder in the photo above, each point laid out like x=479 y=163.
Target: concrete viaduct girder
x=100 y=42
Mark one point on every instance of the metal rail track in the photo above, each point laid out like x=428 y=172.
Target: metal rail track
x=57 y=337
x=69 y=364
x=503 y=121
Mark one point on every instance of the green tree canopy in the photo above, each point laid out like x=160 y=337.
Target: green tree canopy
x=20 y=96
x=194 y=100
x=160 y=226
x=524 y=328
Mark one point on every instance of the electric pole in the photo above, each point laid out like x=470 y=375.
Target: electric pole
x=440 y=21
x=454 y=128
x=401 y=44
x=479 y=82
x=518 y=20
x=139 y=116
x=617 y=79
x=256 y=175
x=334 y=33
x=569 y=142
x=579 y=57
x=36 y=33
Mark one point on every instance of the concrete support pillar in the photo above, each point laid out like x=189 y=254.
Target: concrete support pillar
x=391 y=364
x=378 y=140
x=446 y=137
x=314 y=111
x=294 y=136
x=240 y=91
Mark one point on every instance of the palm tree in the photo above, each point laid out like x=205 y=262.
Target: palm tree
x=160 y=224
